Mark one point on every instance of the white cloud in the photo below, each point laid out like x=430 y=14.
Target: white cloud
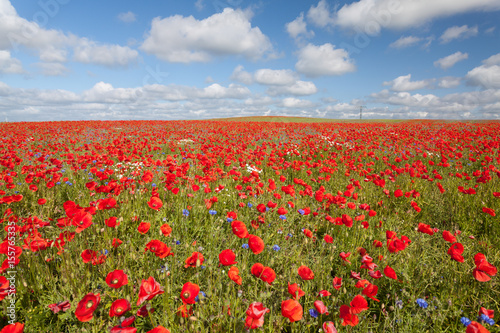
x=487 y=77
x=127 y=17
x=323 y=60
x=9 y=65
x=299 y=88
x=370 y=16
x=53 y=45
x=451 y=60
x=298 y=27
x=457 y=32
x=186 y=39
x=291 y=102
x=240 y=75
x=449 y=82
x=406 y=42
x=280 y=77
x=493 y=60
x=320 y=14
x=199 y=4
x=53 y=68
x=108 y=55
x=404 y=83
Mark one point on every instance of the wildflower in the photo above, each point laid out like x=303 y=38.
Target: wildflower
x=276 y=248
x=245 y=246
x=313 y=313
x=185 y=212
x=212 y=212
x=422 y=303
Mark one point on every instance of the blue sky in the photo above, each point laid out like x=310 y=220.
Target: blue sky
x=78 y=60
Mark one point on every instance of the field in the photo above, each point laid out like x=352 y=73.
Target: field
x=275 y=225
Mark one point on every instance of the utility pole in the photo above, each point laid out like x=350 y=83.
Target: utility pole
x=361 y=111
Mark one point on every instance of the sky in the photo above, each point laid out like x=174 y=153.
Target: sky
x=204 y=59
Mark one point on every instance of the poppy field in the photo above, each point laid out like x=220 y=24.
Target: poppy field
x=215 y=226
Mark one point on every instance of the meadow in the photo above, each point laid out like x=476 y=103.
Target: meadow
x=275 y=225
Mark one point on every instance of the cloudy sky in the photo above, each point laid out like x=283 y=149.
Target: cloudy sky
x=200 y=59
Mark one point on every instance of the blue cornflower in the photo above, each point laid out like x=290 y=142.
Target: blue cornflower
x=301 y=212
x=197 y=298
x=283 y=217
x=154 y=185
x=177 y=242
x=267 y=209
x=313 y=313
x=276 y=248
x=250 y=205
x=105 y=252
x=185 y=212
x=422 y=303
x=245 y=246
x=229 y=220
x=465 y=321
x=212 y=212
x=486 y=319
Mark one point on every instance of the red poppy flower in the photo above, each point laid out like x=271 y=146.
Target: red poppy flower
x=112 y=222
x=455 y=251
x=195 y=260
x=371 y=291
x=255 y=315
x=292 y=310
x=268 y=275
x=116 y=279
x=227 y=258
x=490 y=211
x=159 y=329
x=61 y=306
x=347 y=220
x=358 y=304
x=233 y=274
x=184 y=312
x=375 y=274
x=155 y=203
x=256 y=244
x=398 y=193
x=448 y=236
x=390 y=273
x=189 y=292
x=347 y=317
x=116 y=242
x=308 y=233
x=344 y=256
x=42 y=201
x=337 y=283
x=305 y=273
x=143 y=227
x=483 y=268
x=166 y=230
x=148 y=290
x=475 y=327
x=239 y=229
x=328 y=239
x=119 y=307
x=13 y=328
x=425 y=228
x=85 y=310
x=329 y=327
x=160 y=249
x=324 y=293
x=88 y=255
x=295 y=291
x=320 y=307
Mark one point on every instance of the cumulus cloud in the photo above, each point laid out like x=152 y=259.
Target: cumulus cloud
x=186 y=39
x=449 y=82
x=291 y=102
x=53 y=45
x=323 y=60
x=485 y=76
x=299 y=88
x=370 y=16
x=404 y=83
x=9 y=65
x=279 y=81
x=493 y=60
x=298 y=27
x=90 y=52
x=457 y=32
x=280 y=77
x=320 y=15
x=451 y=60
x=127 y=17
x=407 y=41
x=53 y=68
